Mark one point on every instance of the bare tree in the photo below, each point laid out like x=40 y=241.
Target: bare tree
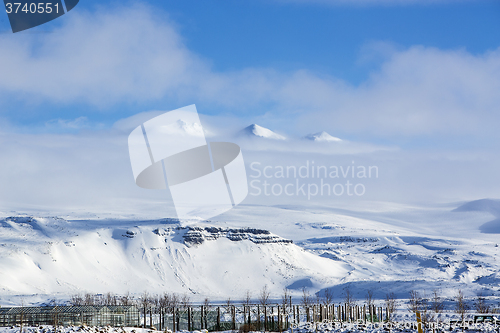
x=349 y=298
x=306 y=298
x=369 y=298
x=165 y=301
x=206 y=302
x=437 y=304
x=248 y=298
x=185 y=301
x=174 y=301
x=414 y=301
x=480 y=304
x=264 y=296
x=156 y=301
x=390 y=304
x=229 y=304
x=144 y=301
x=110 y=299
x=318 y=298
x=126 y=299
x=461 y=306
x=306 y=301
x=76 y=300
x=420 y=304
x=328 y=297
x=88 y=299
x=285 y=298
x=163 y=305
x=99 y=299
x=264 y=299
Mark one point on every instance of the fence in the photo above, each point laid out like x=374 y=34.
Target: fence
x=70 y=315
x=258 y=317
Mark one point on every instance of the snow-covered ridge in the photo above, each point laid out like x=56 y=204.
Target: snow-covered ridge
x=255 y=130
x=490 y=206
x=198 y=235
x=53 y=256
x=182 y=127
x=322 y=137
x=385 y=250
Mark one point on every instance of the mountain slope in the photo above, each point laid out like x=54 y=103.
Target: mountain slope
x=47 y=255
x=380 y=246
x=255 y=130
x=322 y=137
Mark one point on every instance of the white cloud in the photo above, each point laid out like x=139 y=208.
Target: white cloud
x=420 y=91
x=63 y=173
x=132 y=55
x=99 y=58
x=70 y=124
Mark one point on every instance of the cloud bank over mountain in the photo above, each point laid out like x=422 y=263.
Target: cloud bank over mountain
x=418 y=91
x=426 y=116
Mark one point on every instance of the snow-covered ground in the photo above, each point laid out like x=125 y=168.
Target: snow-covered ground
x=70 y=329
x=383 y=247
x=302 y=328
x=390 y=327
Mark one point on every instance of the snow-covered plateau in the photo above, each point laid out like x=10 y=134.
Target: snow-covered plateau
x=383 y=247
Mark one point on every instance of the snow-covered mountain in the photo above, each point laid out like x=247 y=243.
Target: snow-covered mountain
x=381 y=247
x=182 y=127
x=488 y=206
x=322 y=137
x=255 y=130
x=56 y=256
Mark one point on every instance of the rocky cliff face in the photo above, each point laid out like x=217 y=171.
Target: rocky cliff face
x=198 y=235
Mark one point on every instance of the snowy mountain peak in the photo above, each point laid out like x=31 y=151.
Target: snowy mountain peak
x=322 y=137
x=262 y=132
x=181 y=127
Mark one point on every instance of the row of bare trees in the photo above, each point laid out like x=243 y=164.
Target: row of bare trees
x=430 y=308
x=101 y=299
x=160 y=304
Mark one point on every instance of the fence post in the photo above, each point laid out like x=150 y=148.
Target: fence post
x=218 y=318
x=286 y=319
x=272 y=319
x=174 y=319
x=206 y=317
x=258 y=317
x=279 y=319
x=265 y=318
x=233 y=318
x=201 y=316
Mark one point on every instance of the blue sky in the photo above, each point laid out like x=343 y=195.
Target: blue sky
x=328 y=39
x=411 y=84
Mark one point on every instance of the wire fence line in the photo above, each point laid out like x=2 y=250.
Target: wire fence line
x=258 y=317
